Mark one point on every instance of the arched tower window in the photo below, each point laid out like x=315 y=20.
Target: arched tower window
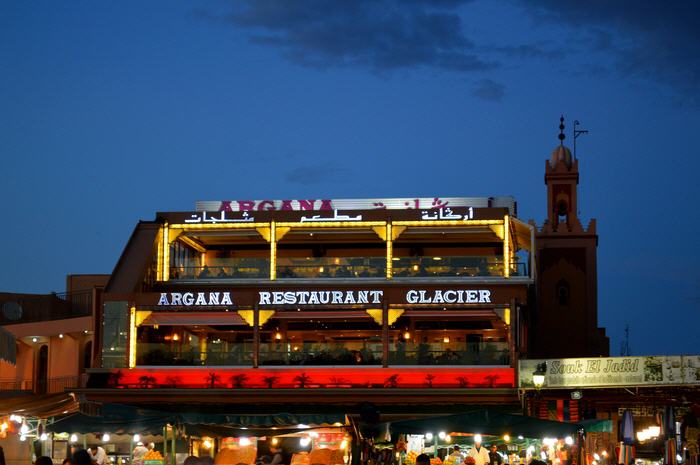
x=42 y=370
x=563 y=293
x=87 y=356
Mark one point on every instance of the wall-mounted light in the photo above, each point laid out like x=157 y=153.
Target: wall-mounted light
x=539 y=375
x=176 y=337
x=105 y=437
x=407 y=335
x=60 y=336
x=278 y=336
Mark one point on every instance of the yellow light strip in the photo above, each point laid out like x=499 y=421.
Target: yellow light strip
x=166 y=252
x=191 y=227
x=334 y=224
x=273 y=251
x=389 y=251
x=506 y=246
x=132 y=337
x=159 y=256
x=432 y=224
x=192 y=244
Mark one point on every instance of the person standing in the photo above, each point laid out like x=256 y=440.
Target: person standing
x=139 y=452
x=479 y=453
x=98 y=455
x=494 y=457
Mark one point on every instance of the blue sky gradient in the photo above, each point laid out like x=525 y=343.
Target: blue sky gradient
x=112 y=111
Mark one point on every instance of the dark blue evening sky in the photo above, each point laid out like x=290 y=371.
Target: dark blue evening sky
x=111 y=111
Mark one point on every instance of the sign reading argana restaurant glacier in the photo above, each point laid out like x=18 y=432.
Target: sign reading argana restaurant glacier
x=355 y=204
x=613 y=371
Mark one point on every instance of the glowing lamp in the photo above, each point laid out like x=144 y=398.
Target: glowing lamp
x=73 y=438
x=569 y=441
x=407 y=335
x=137 y=437
x=206 y=444
x=441 y=435
x=477 y=439
x=429 y=436
x=44 y=436
x=446 y=339
x=105 y=437
x=244 y=442
x=278 y=336
x=506 y=438
x=275 y=441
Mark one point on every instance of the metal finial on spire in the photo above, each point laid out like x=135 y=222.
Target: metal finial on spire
x=562 y=136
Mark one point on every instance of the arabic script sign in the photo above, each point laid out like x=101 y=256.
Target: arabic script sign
x=355 y=204
x=613 y=371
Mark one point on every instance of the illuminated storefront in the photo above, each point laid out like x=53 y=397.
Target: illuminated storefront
x=387 y=294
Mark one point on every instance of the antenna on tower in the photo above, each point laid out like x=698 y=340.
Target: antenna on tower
x=577 y=132
x=625 y=350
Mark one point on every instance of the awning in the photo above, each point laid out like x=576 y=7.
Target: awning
x=596 y=426
x=126 y=419
x=39 y=406
x=488 y=423
x=194 y=319
x=524 y=234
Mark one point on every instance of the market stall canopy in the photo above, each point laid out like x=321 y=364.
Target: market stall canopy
x=488 y=423
x=596 y=426
x=116 y=419
x=125 y=419
x=39 y=406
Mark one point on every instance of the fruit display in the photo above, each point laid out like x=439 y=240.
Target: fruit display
x=153 y=455
x=411 y=458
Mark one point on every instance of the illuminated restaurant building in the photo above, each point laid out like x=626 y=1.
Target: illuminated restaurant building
x=427 y=302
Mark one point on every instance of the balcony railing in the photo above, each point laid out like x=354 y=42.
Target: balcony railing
x=492 y=353
x=33 y=308
x=419 y=267
x=338 y=353
x=331 y=267
x=350 y=267
x=233 y=268
x=226 y=354
x=49 y=386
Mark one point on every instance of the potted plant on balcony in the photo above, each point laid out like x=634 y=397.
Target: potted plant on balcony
x=270 y=381
x=392 y=381
x=238 y=381
x=302 y=379
x=212 y=379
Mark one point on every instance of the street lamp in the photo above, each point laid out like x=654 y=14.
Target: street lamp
x=539 y=375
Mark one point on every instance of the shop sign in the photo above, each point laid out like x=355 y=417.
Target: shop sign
x=320 y=297
x=195 y=299
x=613 y=371
x=450 y=296
x=355 y=204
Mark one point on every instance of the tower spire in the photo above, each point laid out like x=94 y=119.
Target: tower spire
x=562 y=136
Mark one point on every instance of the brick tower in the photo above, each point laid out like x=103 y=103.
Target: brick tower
x=565 y=321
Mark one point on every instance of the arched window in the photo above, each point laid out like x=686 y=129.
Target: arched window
x=87 y=356
x=42 y=370
x=563 y=293
x=562 y=212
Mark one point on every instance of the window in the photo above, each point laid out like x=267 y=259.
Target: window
x=563 y=293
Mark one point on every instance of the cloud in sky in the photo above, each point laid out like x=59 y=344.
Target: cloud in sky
x=652 y=40
x=656 y=42
x=489 y=90
x=379 y=35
